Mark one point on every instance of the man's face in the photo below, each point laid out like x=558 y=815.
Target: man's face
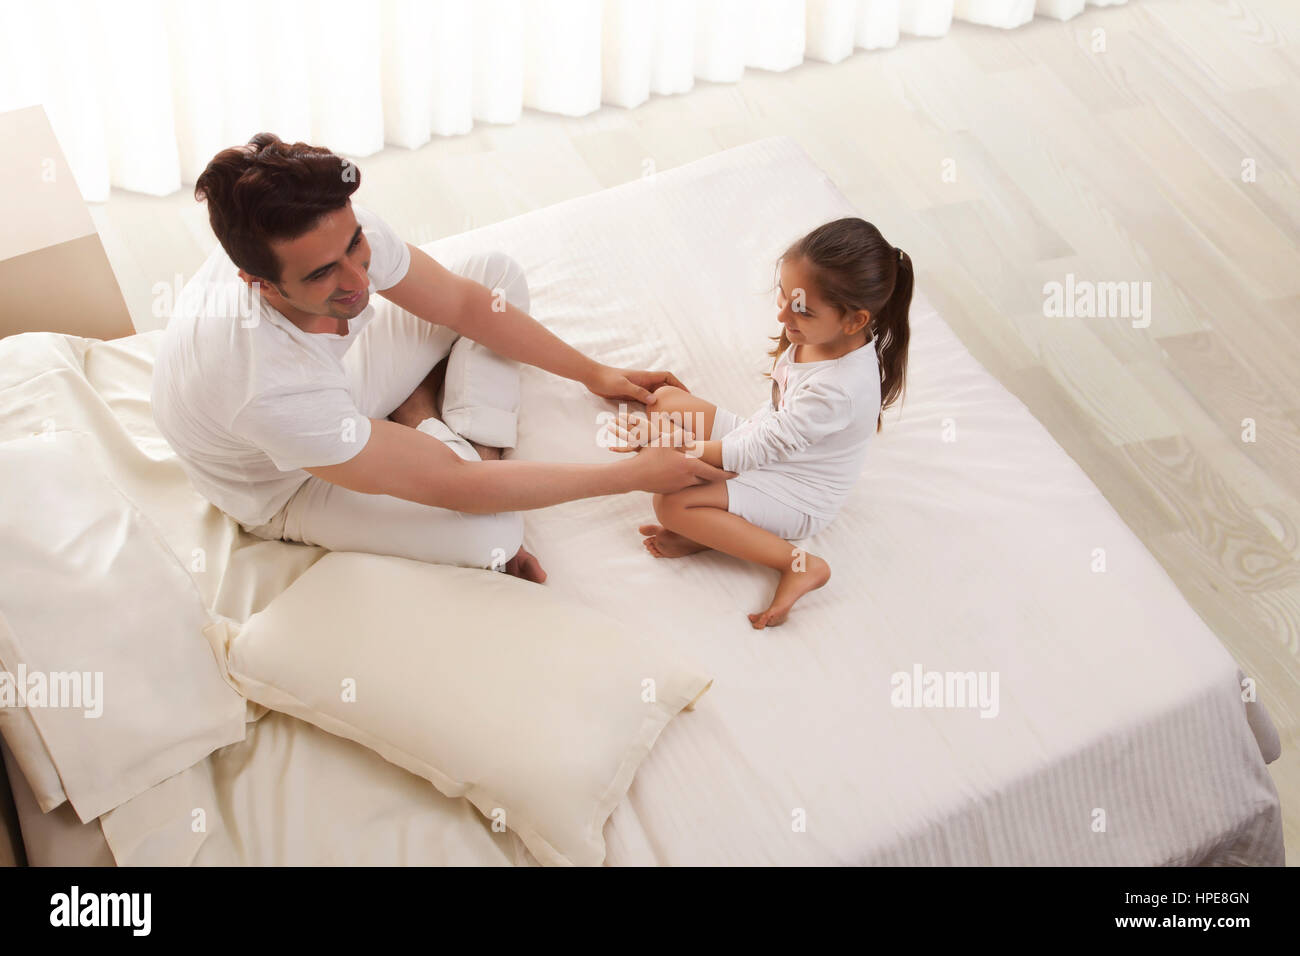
x=324 y=271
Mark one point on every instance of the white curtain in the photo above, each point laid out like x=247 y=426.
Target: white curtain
x=142 y=93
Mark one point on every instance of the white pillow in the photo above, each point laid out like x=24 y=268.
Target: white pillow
x=536 y=710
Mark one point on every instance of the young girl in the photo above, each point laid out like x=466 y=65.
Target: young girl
x=841 y=359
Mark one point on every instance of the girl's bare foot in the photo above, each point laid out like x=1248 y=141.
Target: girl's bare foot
x=663 y=543
x=792 y=586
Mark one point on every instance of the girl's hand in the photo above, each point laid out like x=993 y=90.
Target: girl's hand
x=609 y=382
x=633 y=432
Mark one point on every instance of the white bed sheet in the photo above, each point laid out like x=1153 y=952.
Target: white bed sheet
x=970 y=555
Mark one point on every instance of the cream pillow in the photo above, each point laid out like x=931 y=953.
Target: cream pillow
x=536 y=710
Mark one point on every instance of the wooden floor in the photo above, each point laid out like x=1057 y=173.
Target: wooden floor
x=1124 y=164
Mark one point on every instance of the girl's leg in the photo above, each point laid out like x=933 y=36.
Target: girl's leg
x=696 y=417
x=696 y=414
x=700 y=515
x=665 y=542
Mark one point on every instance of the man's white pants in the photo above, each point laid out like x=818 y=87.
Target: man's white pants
x=392 y=355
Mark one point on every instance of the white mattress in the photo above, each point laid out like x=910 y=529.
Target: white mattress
x=966 y=555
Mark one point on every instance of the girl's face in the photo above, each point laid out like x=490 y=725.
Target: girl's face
x=809 y=320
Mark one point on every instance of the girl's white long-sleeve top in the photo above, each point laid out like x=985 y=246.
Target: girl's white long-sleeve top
x=805 y=445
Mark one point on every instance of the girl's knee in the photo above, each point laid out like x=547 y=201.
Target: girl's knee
x=666 y=396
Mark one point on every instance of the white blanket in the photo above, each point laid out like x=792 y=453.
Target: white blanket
x=1120 y=736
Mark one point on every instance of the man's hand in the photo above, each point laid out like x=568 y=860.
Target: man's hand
x=664 y=470
x=609 y=382
x=631 y=432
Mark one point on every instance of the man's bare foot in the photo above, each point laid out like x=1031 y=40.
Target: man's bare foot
x=421 y=403
x=524 y=565
x=663 y=543
x=792 y=586
x=414 y=410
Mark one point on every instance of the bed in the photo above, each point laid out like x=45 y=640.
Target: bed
x=1119 y=734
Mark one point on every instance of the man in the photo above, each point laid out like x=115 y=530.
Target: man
x=308 y=414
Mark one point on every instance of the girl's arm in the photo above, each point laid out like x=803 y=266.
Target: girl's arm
x=709 y=452
x=817 y=409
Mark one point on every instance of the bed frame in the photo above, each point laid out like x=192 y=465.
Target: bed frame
x=49 y=236
x=11 y=837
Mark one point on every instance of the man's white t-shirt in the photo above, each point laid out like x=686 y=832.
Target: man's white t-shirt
x=247 y=399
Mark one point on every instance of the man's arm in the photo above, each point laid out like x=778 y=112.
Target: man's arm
x=438 y=295
x=406 y=463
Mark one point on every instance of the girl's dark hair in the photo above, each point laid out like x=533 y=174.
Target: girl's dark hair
x=855 y=268
x=268 y=190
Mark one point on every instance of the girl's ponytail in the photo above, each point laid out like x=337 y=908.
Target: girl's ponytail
x=892 y=331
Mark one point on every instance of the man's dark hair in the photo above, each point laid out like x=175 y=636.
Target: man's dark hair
x=268 y=190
